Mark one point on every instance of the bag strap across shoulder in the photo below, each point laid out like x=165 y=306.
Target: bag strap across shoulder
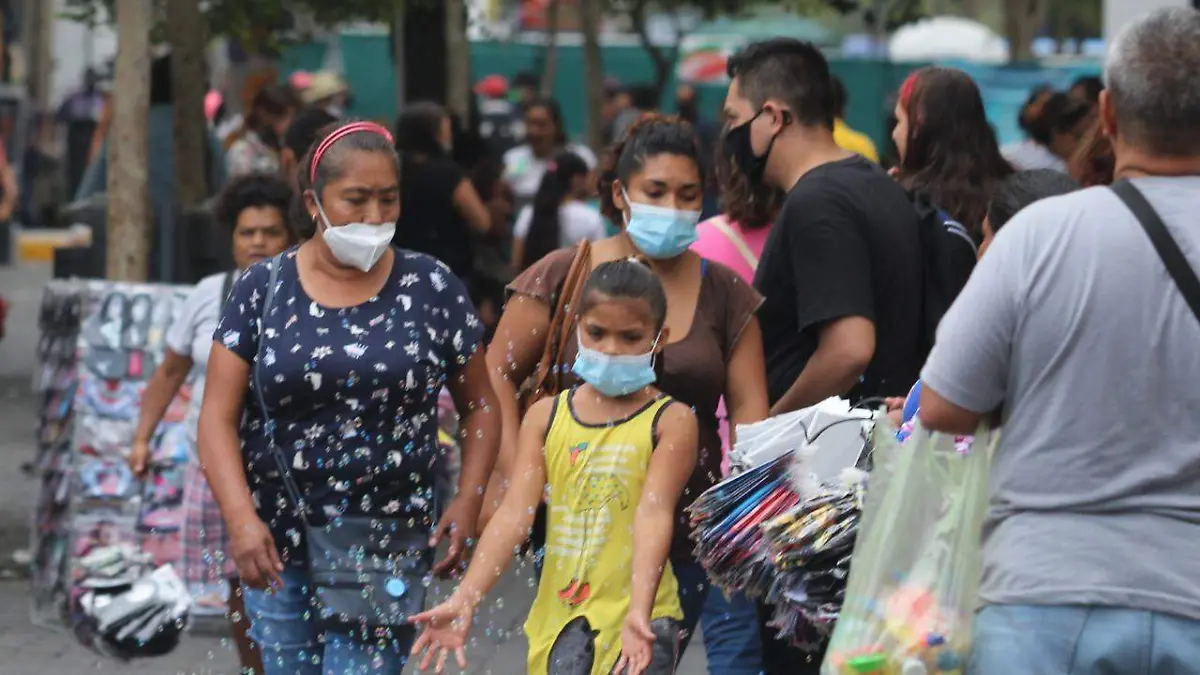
x=739 y=242
x=226 y=287
x=1168 y=250
x=548 y=375
x=268 y=424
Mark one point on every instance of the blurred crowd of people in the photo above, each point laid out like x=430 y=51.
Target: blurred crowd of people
x=745 y=265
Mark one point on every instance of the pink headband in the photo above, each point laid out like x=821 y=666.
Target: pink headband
x=339 y=134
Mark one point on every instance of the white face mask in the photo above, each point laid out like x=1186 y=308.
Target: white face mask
x=358 y=245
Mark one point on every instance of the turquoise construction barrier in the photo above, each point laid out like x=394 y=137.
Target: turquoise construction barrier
x=871 y=84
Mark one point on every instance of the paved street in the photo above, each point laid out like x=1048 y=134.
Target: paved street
x=498 y=647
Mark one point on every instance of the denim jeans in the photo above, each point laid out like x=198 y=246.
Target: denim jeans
x=731 y=639
x=693 y=594
x=281 y=623
x=1082 y=640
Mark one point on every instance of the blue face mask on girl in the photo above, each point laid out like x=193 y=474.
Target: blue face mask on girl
x=612 y=374
x=660 y=232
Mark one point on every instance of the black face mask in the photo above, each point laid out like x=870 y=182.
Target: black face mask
x=738 y=147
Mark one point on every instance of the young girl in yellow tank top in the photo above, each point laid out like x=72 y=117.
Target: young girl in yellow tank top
x=613 y=456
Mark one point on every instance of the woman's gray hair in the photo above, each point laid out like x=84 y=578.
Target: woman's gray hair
x=1151 y=74
x=332 y=166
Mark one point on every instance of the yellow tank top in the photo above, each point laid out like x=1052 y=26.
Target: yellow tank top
x=595 y=475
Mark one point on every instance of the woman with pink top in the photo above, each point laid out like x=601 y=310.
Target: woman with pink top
x=735 y=239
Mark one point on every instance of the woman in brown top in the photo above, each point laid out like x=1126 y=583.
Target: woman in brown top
x=652 y=182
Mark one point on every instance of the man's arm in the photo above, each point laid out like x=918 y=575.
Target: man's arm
x=834 y=297
x=844 y=350
x=938 y=414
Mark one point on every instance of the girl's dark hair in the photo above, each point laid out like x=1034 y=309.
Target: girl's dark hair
x=951 y=155
x=650 y=136
x=1032 y=106
x=1059 y=114
x=418 y=127
x=1024 y=188
x=544 y=226
x=1093 y=162
x=305 y=127
x=1091 y=86
x=748 y=203
x=333 y=166
x=254 y=190
x=270 y=99
x=552 y=108
x=626 y=278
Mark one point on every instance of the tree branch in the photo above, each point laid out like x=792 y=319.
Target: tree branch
x=662 y=63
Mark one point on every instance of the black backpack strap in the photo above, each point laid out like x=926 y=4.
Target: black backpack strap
x=1176 y=263
x=226 y=287
x=268 y=424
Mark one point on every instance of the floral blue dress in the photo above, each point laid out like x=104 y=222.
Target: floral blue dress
x=353 y=392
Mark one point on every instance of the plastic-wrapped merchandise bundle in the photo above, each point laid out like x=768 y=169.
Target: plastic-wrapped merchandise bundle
x=911 y=595
x=809 y=547
x=124 y=607
x=783 y=531
x=725 y=524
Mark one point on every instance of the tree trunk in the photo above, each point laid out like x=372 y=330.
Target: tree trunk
x=662 y=61
x=593 y=70
x=458 y=60
x=550 y=51
x=37 y=38
x=129 y=217
x=398 y=53
x=424 y=45
x=188 y=37
x=1022 y=18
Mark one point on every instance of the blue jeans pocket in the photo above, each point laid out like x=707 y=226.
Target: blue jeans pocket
x=1026 y=639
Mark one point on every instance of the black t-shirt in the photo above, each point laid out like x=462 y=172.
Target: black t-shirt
x=429 y=222
x=501 y=125
x=845 y=244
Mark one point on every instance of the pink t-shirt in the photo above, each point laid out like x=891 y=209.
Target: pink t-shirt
x=714 y=244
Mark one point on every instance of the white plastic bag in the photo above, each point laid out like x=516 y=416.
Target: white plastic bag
x=830 y=426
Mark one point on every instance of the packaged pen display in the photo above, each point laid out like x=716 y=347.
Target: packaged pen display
x=782 y=531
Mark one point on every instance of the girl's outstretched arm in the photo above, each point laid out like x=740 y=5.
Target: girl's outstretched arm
x=447 y=625
x=671 y=465
x=510 y=528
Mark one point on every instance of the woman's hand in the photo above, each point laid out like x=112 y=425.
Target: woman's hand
x=254 y=552
x=460 y=521
x=637 y=646
x=446 y=629
x=139 y=457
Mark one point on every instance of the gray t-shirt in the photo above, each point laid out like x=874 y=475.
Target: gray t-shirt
x=190 y=335
x=1071 y=325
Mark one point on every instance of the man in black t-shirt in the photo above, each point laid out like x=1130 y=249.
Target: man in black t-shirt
x=841 y=270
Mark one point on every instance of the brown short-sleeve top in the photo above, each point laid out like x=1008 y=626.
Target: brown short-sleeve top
x=693 y=369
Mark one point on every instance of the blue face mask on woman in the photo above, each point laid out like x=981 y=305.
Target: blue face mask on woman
x=660 y=232
x=614 y=374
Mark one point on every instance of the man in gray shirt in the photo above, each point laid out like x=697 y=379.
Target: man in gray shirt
x=1073 y=330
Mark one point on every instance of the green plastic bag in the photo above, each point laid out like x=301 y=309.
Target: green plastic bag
x=915 y=570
